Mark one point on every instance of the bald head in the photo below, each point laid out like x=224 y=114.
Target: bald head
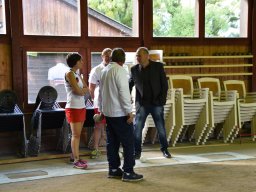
x=142 y=56
x=143 y=49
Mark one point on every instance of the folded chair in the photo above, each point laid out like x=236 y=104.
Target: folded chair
x=222 y=109
x=169 y=116
x=47 y=115
x=191 y=109
x=12 y=119
x=246 y=106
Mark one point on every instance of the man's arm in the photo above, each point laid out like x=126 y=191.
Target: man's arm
x=131 y=82
x=92 y=87
x=164 y=83
x=124 y=94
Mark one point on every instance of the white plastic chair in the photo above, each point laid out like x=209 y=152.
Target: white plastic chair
x=246 y=106
x=191 y=108
x=222 y=109
x=169 y=117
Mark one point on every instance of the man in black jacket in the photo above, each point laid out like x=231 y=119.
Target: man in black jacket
x=151 y=86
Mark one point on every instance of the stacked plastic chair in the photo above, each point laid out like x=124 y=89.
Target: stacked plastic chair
x=169 y=117
x=246 y=106
x=191 y=108
x=12 y=119
x=47 y=115
x=222 y=109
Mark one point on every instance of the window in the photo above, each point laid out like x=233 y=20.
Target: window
x=175 y=18
x=51 y=18
x=2 y=17
x=226 y=18
x=46 y=68
x=113 y=18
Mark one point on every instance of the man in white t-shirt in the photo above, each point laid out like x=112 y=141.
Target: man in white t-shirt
x=56 y=74
x=94 y=80
x=56 y=79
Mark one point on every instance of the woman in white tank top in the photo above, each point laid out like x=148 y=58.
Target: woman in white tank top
x=75 y=111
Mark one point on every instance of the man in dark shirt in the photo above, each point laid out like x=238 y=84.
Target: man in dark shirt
x=151 y=86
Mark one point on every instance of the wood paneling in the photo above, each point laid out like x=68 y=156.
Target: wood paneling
x=224 y=73
x=5 y=67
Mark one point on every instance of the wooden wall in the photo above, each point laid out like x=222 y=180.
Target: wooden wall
x=98 y=28
x=200 y=50
x=228 y=50
x=65 y=19
x=5 y=67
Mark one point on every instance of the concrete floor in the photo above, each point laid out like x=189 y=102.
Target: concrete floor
x=217 y=167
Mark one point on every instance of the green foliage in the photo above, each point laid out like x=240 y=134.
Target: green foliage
x=186 y=21
x=119 y=10
x=172 y=19
x=222 y=18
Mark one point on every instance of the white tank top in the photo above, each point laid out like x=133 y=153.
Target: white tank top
x=73 y=100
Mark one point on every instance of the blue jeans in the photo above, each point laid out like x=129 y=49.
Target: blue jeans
x=119 y=131
x=157 y=113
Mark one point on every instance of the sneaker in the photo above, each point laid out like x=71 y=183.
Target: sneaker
x=166 y=154
x=71 y=161
x=131 y=177
x=79 y=165
x=137 y=155
x=95 y=154
x=115 y=173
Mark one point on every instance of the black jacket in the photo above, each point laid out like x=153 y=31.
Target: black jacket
x=158 y=82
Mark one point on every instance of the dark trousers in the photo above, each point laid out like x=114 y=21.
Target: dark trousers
x=157 y=113
x=119 y=131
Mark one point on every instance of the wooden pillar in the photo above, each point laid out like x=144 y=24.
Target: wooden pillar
x=17 y=68
x=253 y=3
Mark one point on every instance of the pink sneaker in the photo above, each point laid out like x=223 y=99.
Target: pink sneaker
x=79 y=165
x=71 y=160
x=83 y=161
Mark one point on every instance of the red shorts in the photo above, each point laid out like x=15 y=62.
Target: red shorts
x=75 y=115
x=96 y=111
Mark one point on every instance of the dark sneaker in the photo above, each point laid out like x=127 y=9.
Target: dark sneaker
x=131 y=177
x=137 y=155
x=115 y=173
x=166 y=154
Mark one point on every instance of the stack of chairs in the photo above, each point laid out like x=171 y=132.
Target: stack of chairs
x=191 y=108
x=12 y=119
x=246 y=106
x=222 y=110
x=47 y=115
x=169 y=116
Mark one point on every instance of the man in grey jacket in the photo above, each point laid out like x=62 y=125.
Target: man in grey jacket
x=151 y=86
